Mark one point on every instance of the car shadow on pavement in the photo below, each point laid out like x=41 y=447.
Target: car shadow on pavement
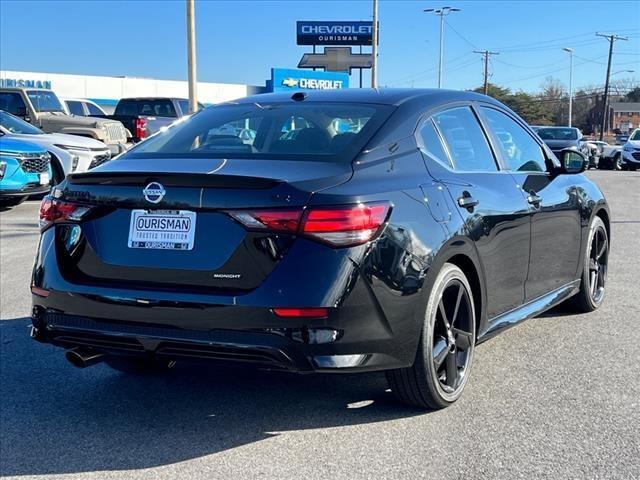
x=58 y=419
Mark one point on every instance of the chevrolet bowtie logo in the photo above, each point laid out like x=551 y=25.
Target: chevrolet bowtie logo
x=290 y=82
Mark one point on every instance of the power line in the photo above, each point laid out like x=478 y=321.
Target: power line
x=460 y=35
x=485 y=54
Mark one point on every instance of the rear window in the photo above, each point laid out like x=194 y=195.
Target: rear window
x=557 y=133
x=309 y=131
x=148 y=108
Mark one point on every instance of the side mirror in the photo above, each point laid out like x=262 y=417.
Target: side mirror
x=572 y=161
x=22 y=113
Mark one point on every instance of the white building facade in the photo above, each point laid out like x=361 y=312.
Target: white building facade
x=106 y=91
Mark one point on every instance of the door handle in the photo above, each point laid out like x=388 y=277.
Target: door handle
x=534 y=199
x=467 y=201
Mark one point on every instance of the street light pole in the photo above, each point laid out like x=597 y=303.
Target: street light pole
x=441 y=12
x=374 y=47
x=570 y=50
x=191 y=56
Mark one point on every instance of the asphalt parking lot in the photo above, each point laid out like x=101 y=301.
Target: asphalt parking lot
x=557 y=397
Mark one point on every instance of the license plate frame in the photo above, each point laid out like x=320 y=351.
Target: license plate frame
x=162 y=229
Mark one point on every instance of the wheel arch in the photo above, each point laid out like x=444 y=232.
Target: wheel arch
x=462 y=253
x=606 y=219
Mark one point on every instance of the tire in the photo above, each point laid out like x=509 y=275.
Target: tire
x=616 y=163
x=12 y=201
x=139 y=365
x=595 y=263
x=425 y=384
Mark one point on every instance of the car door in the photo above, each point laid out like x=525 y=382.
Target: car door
x=552 y=201
x=494 y=214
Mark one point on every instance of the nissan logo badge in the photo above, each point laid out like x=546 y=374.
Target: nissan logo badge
x=154 y=192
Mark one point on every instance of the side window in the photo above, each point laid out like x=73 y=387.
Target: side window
x=466 y=141
x=521 y=152
x=432 y=144
x=11 y=102
x=184 y=106
x=75 y=108
x=93 y=110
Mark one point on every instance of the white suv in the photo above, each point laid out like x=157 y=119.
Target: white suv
x=631 y=151
x=69 y=153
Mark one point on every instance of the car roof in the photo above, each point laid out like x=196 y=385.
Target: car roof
x=77 y=99
x=384 y=96
x=151 y=99
x=19 y=89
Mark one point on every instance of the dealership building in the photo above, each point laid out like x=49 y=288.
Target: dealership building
x=106 y=91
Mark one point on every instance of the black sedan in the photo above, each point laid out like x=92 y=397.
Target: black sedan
x=340 y=231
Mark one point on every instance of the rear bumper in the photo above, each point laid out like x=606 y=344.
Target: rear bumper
x=274 y=348
x=371 y=324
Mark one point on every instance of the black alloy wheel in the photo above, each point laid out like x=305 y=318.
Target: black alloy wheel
x=453 y=336
x=595 y=269
x=445 y=351
x=598 y=261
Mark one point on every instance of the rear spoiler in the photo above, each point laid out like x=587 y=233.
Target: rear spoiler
x=194 y=180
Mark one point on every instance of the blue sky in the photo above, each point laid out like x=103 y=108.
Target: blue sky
x=239 y=41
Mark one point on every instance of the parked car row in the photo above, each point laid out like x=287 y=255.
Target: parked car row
x=72 y=135
x=600 y=154
x=43 y=109
x=69 y=153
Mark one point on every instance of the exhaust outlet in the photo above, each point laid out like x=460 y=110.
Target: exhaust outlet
x=83 y=358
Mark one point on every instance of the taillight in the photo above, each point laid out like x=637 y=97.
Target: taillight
x=141 y=128
x=344 y=226
x=53 y=210
x=339 y=226
x=273 y=220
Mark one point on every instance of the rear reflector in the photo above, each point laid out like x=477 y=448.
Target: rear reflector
x=339 y=226
x=53 y=210
x=301 y=312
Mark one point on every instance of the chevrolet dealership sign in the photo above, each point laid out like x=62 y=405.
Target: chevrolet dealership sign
x=289 y=79
x=334 y=33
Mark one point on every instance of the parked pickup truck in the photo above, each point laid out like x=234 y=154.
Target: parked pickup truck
x=43 y=109
x=145 y=116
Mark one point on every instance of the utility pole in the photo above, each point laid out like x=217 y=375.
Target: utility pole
x=191 y=56
x=374 y=47
x=611 y=38
x=486 y=54
x=441 y=12
x=570 y=51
